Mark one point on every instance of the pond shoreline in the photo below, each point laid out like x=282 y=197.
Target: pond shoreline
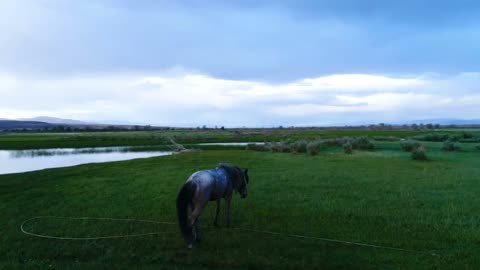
x=19 y=161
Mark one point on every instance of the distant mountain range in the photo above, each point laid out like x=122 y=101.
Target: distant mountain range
x=59 y=124
x=53 y=123
x=54 y=120
x=458 y=122
x=14 y=124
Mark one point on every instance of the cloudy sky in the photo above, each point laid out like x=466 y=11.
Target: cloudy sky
x=240 y=63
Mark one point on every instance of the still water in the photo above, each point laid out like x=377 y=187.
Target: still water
x=14 y=161
x=233 y=143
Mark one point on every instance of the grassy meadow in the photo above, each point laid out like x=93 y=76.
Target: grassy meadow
x=379 y=197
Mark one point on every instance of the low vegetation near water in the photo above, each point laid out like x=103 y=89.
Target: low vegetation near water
x=29 y=140
x=377 y=196
x=314 y=147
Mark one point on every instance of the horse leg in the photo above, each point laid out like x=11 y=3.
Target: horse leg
x=217 y=210
x=194 y=220
x=191 y=223
x=227 y=209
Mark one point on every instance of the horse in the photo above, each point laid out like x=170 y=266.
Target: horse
x=204 y=186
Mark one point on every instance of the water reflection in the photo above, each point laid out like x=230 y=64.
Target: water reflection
x=67 y=151
x=13 y=161
x=232 y=143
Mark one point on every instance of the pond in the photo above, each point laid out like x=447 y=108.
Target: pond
x=15 y=161
x=232 y=143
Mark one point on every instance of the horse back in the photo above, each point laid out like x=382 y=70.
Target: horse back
x=211 y=185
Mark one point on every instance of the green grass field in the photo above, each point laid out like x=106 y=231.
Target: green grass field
x=381 y=198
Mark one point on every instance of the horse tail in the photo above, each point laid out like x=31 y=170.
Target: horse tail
x=184 y=199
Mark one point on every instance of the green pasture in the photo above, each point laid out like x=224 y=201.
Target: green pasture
x=380 y=197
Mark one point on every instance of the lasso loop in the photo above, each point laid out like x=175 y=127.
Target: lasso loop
x=295 y=236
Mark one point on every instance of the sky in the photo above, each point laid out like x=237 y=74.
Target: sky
x=240 y=63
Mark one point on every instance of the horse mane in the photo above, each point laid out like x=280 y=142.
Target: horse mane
x=234 y=173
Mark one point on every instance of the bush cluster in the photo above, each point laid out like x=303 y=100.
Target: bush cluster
x=336 y=141
x=348 y=148
x=363 y=143
x=313 y=148
x=409 y=145
x=299 y=146
x=419 y=153
x=258 y=147
x=441 y=137
x=281 y=147
x=386 y=138
x=450 y=146
x=432 y=137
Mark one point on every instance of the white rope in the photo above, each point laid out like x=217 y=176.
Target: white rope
x=334 y=241
x=297 y=236
x=22 y=228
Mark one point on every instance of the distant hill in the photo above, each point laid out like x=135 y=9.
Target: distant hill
x=443 y=122
x=55 y=120
x=44 y=123
x=14 y=124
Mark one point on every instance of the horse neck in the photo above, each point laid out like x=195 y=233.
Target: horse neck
x=232 y=175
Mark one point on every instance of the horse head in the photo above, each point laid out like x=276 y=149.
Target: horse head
x=242 y=188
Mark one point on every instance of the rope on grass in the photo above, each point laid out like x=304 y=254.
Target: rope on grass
x=334 y=241
x=296 y=236
x=22 y=228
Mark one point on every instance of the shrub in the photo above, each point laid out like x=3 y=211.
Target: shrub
x=313 y=148
x=363 y=143
x=419 y=153
x=281 y=147
x=467 y=135
x=409 y=145
x=258 y=147
x=299 y=147
x=386 y=138
x=335 y=141
x=449 y=145
x=454 y=137
x=348 y=148
x=432 y=137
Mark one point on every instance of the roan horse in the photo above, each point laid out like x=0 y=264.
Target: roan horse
x=204 y=186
